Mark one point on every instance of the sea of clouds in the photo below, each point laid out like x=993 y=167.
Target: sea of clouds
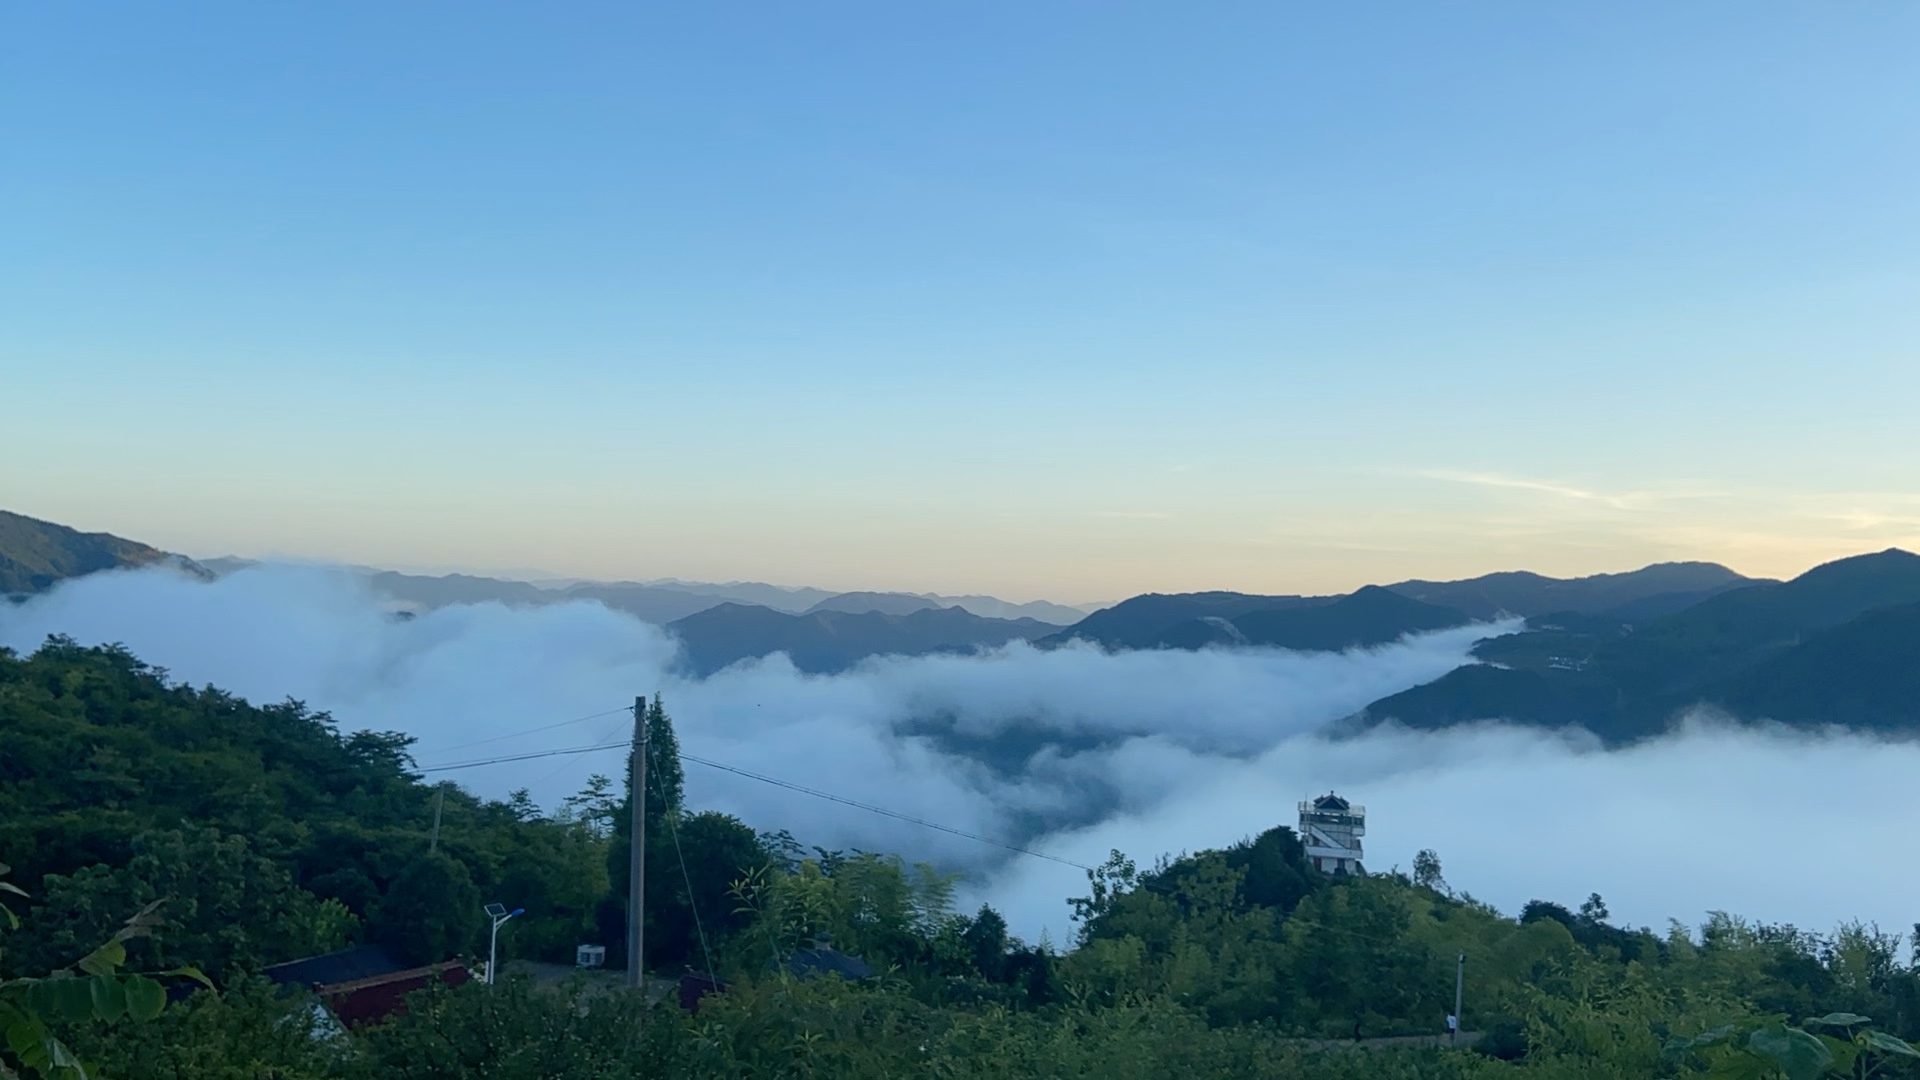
x=1145 y=752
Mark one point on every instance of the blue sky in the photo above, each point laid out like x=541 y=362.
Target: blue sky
x=1074 y=300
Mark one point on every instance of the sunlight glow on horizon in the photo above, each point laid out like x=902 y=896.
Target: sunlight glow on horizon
x=1051 y=301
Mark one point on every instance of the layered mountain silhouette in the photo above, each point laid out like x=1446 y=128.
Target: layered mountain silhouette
x=1619 y=654
x=860 y=603
x=1837 y=644
x=1638 y=595
x=665 y=601
x=991 y=607
x=1378 y=614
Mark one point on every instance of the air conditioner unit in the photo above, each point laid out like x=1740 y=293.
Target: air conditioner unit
x=590 y=956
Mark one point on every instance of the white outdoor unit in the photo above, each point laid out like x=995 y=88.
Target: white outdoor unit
x=590 y=956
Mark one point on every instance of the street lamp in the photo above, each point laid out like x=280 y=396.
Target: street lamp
x=499 y=914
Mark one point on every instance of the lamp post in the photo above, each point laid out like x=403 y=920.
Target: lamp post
x=499 y=914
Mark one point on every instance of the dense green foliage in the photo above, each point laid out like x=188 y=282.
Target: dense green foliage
x=263 y=834
x=93 y=990
x=271 y=834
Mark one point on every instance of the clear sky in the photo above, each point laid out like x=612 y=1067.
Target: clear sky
x=1042 y=299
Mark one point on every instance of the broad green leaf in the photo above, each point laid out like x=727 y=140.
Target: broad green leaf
x=1889 y=1044
x=1841 y=1019
x=109 y=1000
x=104 y=960
x=142 y=922
x=10 y=887
x=63 y=1058
x=1713 y=1035
x=1843 y=1052
x=1742 y=1067
x=1796 y=1053
x=146 y=999
x=22 y=1032
x=188 y=971
x=61 y=998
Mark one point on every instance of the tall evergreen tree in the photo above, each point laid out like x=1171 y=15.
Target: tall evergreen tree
x=665 y=783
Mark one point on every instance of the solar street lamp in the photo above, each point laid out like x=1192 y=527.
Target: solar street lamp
x=499 y=914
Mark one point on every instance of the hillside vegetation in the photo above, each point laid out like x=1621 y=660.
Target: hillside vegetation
x=1837 y=644
x=828 y=640
x=35 y=554
x=268 y=834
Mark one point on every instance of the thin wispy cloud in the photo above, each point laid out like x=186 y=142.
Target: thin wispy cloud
x=1632 y=500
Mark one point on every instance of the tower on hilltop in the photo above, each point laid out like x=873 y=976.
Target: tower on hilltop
x=1331 y=828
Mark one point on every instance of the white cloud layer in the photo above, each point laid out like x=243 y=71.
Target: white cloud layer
x=1162 y=751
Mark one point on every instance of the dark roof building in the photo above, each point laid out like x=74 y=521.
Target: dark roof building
x=364 y=984
x=822 y=959
x=347 y=965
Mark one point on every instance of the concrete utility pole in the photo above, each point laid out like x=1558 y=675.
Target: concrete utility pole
x=1459 y=979
x=637 y=864
x=439 y=800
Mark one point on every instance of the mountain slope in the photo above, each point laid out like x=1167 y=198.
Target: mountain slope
x=1768 y=649
x=1165 y=620
x=433 y=592
x=36 y=554
x=1371 y=616
x=829 y=641
x=1864 y=673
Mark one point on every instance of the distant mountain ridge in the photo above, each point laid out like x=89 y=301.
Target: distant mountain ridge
x=1649 y=592
x=1619 y=654
x=988 y=606
x=823 y=642
x=665 y=601
x=1371 y=615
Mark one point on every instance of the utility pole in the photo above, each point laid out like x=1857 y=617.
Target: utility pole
x=637 y=862
x=1459 y=979
x=439 y=800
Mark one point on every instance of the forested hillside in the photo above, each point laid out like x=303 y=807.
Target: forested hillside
x=34 y=554
x=828 y=640
x=268 y=834
x=1836 y=645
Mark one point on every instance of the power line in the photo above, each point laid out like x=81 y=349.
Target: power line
x=1140 y=882
x=533 y=731
x=881 y=810
x=776 y=782
x=623 y=745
